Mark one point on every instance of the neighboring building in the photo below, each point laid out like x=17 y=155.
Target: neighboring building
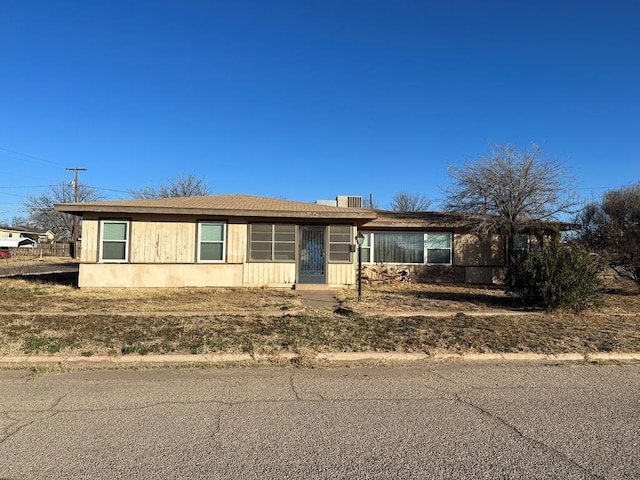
x=243 y=240
x=40 y=236
x=17 y=242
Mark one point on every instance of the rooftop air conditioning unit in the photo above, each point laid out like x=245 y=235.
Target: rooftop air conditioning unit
x=349 y=201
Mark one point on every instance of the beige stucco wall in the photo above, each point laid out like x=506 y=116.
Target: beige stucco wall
x=470 y=250
x=159 y=275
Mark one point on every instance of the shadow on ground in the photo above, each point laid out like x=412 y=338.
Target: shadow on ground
x=491 y=300
x=67 y=279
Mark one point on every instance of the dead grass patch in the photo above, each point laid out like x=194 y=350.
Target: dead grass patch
x=41 y=297
x=408 y=297
x=116 y=335
x=52 y=319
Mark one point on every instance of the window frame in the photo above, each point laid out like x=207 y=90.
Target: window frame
x=126 y=241
x=223 y=241
x=349 y=243
x=272 y=243
x=369 y=245
x=521 y=242
x=426 y=248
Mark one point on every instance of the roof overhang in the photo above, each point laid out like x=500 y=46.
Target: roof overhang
x=231 y=206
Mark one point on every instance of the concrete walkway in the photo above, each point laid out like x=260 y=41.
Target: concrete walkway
x=321 y=298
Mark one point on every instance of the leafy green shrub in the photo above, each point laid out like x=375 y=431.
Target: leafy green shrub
x=556 y=276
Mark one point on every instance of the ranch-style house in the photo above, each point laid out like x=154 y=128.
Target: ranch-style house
x=244 y=240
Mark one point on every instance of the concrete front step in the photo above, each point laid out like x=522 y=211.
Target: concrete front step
x=318 y=286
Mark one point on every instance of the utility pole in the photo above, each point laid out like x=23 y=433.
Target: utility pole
x=74 y=231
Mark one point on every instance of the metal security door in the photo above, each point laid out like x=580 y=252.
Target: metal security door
x=312 y=254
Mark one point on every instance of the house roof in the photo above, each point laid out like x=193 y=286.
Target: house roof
x=422 y=220
x=236 y=205
x=37 y=231
x=448 y=220
x=250 y=206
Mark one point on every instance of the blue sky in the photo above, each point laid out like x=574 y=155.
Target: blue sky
x=306 y=100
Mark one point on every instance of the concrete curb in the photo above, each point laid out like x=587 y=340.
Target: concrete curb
x=346 y=357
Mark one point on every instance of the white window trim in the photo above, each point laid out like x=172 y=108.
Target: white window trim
x=450 y=262
x=372 y=254
x=126 y=241
x=224 y=242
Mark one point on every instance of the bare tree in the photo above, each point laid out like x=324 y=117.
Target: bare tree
x=19 y=221
x=43 y=216
x=180 y=186
x=612 y=228
x=511 y=189
x=410 y=202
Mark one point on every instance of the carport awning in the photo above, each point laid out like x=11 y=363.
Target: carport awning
x=15 y=242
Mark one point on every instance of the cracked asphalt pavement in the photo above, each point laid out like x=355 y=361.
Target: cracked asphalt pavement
x=529 y=421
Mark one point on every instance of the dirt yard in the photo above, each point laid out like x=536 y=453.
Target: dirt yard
x=49 y=315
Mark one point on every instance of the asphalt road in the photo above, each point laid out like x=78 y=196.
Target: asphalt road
x=38 y=268
x=432 y=421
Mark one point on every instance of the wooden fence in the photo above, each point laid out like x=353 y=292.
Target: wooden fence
x=43 y=250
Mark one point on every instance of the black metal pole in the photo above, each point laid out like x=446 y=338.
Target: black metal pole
x=359 y=272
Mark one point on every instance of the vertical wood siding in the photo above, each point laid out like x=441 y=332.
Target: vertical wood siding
x=163 y=242
x=341 y=273
x=90 y=239
x=236 y=242
x=269 y=273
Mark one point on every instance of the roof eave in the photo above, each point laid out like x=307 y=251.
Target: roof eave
x=79 y=209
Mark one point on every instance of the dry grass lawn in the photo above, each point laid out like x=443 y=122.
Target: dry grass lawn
x=43 y=317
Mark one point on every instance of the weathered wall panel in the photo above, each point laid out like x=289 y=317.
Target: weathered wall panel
x=236 y=243
x=162 y=242
x=159 y=275
x=274 y=274
x=89 y=245
x=341 y=273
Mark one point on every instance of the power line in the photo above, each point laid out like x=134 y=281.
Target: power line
x=107 y=189
x=30 y=156
x=29 y=186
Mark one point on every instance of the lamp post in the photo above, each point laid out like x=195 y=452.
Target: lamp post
x=359 y=241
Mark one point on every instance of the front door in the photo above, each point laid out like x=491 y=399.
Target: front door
x=311 y=267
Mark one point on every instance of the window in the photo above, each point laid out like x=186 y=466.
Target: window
x=439 y=248
x=272 y=242
x=211 y=241
x=398 y=247
x=366 y=248
x=433 y=248
x=520 y=246
x=114 y=241
x=521 y=242
x=340 y=242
